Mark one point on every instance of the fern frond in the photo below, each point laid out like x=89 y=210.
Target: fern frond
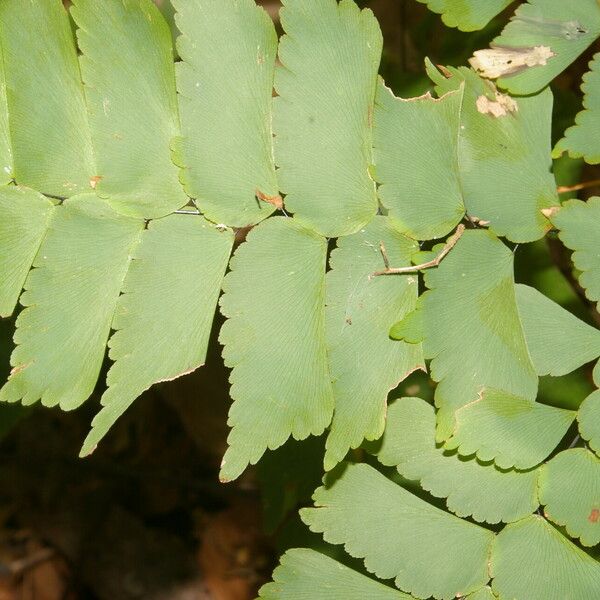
x=416 y=161
x=588 y=418
x=531 y=560
x=127 y=67
x=301 y=572
x=70 y=298
x=471 y=327
x=569 y=490
x=365 y=364
x=511 y=431
x=399 y=535
x=164 y=316
x=274 y=340
x=503 y=157
x=469 y=15
x=24 y=217
x=471 y=487
x=225 y=85
x=323 y=115
x=47 y=118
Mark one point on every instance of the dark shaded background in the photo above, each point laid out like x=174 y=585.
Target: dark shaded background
x=145 y=516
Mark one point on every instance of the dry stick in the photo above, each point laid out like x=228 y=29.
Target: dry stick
x=580 y=186
x=450 y=243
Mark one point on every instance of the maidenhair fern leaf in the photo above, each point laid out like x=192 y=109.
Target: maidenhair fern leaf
x=579 y=229
x=48 y=123
x=583 y=139
x=471 y=327
x=512 y=431
x=275 y=341
x=323 y=115
x=365 y=363
x=416 y=161
x=570 y=491
x=467 y=15
x=127 y=67
x=472 y=488
x=428 y=551
x=302 y=573
x=164 y=317
x=70 y=300
x=6 y=156
x=24 y=216
x=531 y=560
x=554 y=31
x=588 y=418
x=482 y=594
x=558 y=341
x=225 y=85
x=504 y=147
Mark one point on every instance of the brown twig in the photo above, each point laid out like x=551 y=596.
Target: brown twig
x=450 y=243
x=580 y=186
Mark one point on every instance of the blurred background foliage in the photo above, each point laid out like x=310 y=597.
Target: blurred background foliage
x=145 y=516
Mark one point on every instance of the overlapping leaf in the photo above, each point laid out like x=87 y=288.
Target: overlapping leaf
x=570 y=491
x=467 y=15
x=70 y=300
x=558 y=342
x=470 y=327
x=565 y=29
x=472 y=488
x=275 y=341
x=163 y=318
x=24 y=216
x=326 y=87
x=365 y=364
x=225 y=85
x=399 y=535
x=532 y=561
x=503 y=153
x=47 y=120
x=512 y=431
x=579 y=229
x=482 y=594
x=588 y=418
x=582 y=140
x=127 y=67
x=302 y=572
x=416 y=161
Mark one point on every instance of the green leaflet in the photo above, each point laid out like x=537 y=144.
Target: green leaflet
x=275 y=341
x=583 y=139
x=302 y=572
x=566 y=28
x=504 y=161
x=470 y=327
x=70 y=299
x=49 y=133
x=484 y=492
x=467 y=15
x=24 y=216
x=532 y=561
x=164 y=317
x=482 y=594
x=399 y=535
x=588 y=418
x=512 y=431
x=416 y=161
x=6 y=157
x=570 y=492
x=323 y=114
x=579 y=229
x=127 y=67
x=365 y=364
x=226 y=152
x=558 y=342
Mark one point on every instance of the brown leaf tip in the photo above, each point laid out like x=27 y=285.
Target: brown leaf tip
x=276 y=201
